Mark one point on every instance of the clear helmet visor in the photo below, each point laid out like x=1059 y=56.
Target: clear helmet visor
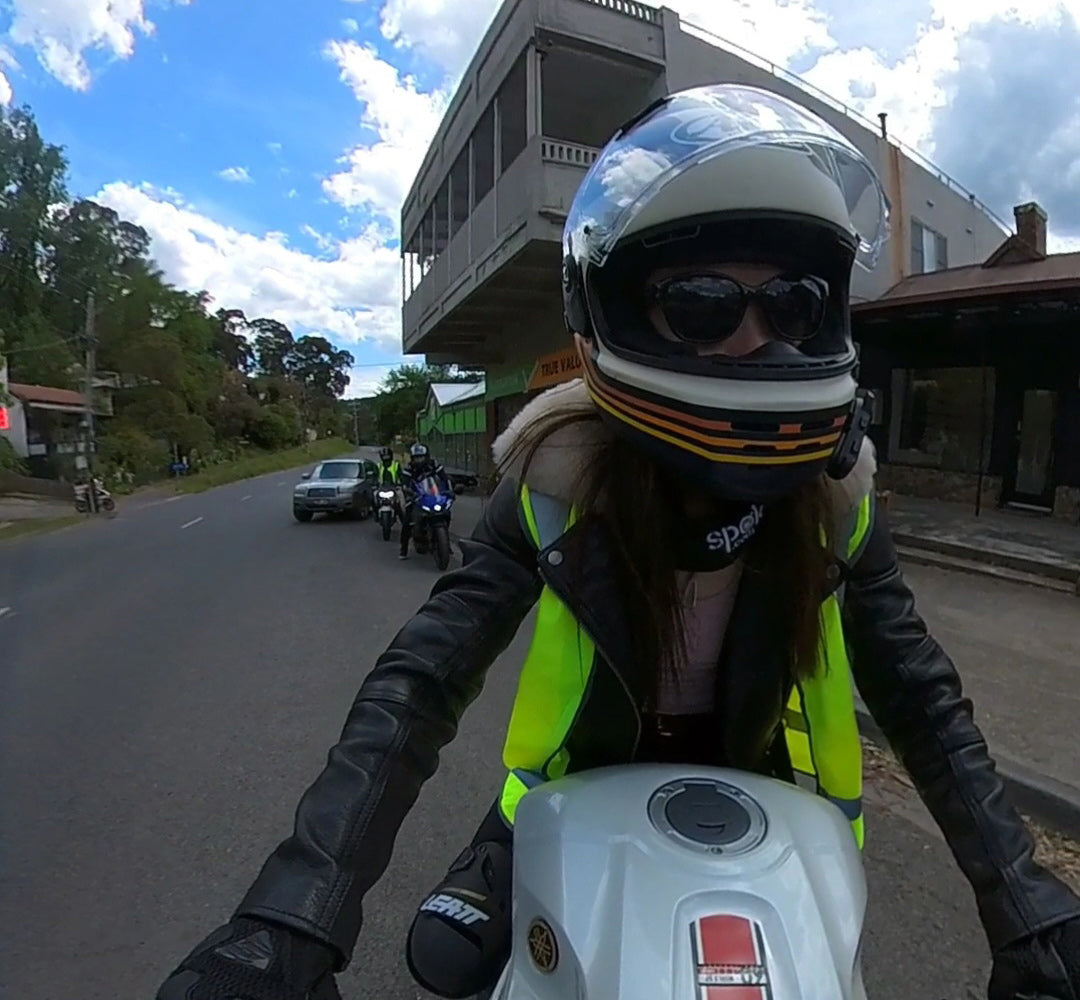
x=762 y=152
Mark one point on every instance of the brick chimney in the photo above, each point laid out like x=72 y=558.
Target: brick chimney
x=1031 y=226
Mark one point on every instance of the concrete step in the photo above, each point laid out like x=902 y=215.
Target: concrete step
x=1022 y=563
x=943 y=560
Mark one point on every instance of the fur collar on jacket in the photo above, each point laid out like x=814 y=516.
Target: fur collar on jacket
x=563 y=455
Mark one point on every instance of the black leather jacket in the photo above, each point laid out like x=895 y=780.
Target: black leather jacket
x=410 y=704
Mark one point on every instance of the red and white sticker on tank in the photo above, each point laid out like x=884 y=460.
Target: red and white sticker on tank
x=729 y=959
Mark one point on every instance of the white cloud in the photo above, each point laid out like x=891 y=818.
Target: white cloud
x=325 y=243
x=7 y=61
x=237 y=175
x=448 y=31
x=910 y=88
x=364 y=380
x=778 y=30
x=274 y=147
x=63 y=31
x=444 y=31
x=350 y=25
x=404 y=121
x=1062 y=244
x=352 y=296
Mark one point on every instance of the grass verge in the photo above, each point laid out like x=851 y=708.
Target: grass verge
x=38 y=526
x=263 y=463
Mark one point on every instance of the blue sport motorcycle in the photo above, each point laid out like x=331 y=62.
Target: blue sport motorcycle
x=432 y=530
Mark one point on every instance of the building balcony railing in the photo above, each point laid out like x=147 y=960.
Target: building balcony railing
x=557 y=151
x=639 y=11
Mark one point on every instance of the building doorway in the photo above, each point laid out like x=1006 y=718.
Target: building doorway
x=1030 y=479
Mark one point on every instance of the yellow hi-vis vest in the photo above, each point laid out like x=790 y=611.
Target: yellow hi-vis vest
x=820 y=726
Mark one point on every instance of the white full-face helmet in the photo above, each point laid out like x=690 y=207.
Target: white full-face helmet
x=725 y=173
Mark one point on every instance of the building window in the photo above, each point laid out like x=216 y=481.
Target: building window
x=483 y=152
x=929 y=249
x=513 y=125
x=459 y=191
x=939 y=416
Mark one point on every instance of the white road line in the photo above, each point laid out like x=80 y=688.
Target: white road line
x=248 y=497
x=190 y=523
x=158 y=503
x=283 y=483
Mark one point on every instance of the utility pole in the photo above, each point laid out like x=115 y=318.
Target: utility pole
x=91 y=355
x=356 y=422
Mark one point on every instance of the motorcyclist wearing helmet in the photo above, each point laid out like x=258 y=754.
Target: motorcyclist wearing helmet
x=389 y=474
x=702 y=501
x=421 y=465
x=389 y=467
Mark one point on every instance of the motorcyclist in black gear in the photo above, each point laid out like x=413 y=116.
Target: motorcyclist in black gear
x=421 y=465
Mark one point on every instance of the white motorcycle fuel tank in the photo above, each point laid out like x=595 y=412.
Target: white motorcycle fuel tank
x=657 y=882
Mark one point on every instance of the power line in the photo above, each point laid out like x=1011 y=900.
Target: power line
x=6 y=352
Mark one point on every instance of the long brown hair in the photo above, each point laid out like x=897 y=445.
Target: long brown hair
x=789 y=549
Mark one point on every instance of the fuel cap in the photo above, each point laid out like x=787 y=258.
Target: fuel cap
x=708 y=815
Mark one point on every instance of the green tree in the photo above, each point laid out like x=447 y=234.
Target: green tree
x=231 y=345
x=190 y=380
x=273 y=343
x=403 y=392
x=31 y=185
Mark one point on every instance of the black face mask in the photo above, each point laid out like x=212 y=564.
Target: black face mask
x=715 y=540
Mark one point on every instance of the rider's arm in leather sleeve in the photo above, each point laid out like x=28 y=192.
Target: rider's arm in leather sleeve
x=407 y=709
x=914 y=693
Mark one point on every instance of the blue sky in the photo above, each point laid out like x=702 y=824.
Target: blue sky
x=266 y=144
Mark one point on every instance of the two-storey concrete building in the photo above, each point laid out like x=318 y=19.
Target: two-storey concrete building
x=549 y=84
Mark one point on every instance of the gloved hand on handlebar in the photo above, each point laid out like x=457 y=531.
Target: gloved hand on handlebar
x=1046 y=965
x=254 y=960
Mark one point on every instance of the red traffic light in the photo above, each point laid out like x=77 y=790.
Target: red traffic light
x=5 y=423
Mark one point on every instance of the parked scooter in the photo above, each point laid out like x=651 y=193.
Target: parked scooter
x=104 y=498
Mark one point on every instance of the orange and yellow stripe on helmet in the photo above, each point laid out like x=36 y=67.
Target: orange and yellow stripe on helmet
x=716 y=440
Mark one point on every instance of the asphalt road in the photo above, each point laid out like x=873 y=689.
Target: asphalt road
x=1017 y=649
x=171 y=681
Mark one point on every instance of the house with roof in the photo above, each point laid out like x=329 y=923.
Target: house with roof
x=977 y=373
x=453 y=424
x=46 y=424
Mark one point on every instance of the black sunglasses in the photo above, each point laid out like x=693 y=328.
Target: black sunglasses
x=709 y=308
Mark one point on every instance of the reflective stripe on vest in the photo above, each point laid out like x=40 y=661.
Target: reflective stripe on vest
x=556 y=672
x=820 y=726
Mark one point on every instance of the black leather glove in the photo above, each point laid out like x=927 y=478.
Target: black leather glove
x=1046 y=965
x=254 y=960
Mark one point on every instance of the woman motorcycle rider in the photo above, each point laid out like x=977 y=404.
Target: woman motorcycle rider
x=689 y=517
